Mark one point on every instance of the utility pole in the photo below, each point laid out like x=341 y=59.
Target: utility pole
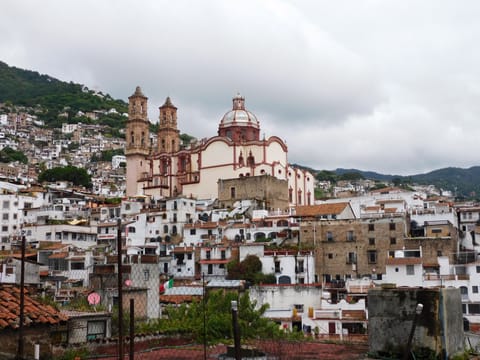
x=20 y=350
x=120 y=295
x=236 y=330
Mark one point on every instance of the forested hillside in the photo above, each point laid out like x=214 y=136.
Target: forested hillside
x=49 y=96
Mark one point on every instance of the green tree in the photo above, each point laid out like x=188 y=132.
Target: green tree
x=250 y=269
x=77 y=176
x=106 y=155
x=351 y=176
x=325 y=175
x=217 y=309
x=7 y=155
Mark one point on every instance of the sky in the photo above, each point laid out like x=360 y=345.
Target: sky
x=390 y=86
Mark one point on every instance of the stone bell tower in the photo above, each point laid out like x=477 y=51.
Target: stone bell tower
x=137 y=141
x=168 y=133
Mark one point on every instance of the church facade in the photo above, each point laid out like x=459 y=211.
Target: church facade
x=167 y=168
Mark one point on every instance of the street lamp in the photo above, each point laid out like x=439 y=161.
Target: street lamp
x=236 y=332
x=418 y=311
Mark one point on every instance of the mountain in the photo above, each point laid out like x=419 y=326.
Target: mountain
x=50 y=96
x=464 y=183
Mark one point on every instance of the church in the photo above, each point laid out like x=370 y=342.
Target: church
x=167 y=168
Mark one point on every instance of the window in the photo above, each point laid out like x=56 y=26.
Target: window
x=277 y=266
x=372 y=256
x=208 y=254
x=95 y=330
x=393 y=241
x=6 y=204
x=15 y=216
x=223 y=255
x=439 y=252
x=298 y=307
x=350 y=236
x=146 y=274
x=436 y=231
x=478 y=269
x=475 y=289
x=392 y=226
x=301 y=267
x=131 y=229
x=371 y=241
x=4 y=228
x=329 y=236
x=77 y=266
x=210 y=269
x=410 y=270
x=371 y=227
x=189 y=256
x=193 y=231
x=165 y=229
x=330 y=256
x=232 y=192
x=351 y=258
x=5 y=216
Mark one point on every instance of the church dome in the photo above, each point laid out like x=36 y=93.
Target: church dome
x=239 y=116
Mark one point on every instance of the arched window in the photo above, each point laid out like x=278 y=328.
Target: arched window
x=165 y=229
x=250 y=160
x=240 y=160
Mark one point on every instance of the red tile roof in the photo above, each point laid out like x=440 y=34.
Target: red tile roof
x=34 y=311
x=404 y=261
x=322 y=209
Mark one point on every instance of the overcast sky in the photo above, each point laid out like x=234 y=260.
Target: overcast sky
x=387 y=86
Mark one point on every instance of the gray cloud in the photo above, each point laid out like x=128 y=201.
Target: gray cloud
x=391 y=87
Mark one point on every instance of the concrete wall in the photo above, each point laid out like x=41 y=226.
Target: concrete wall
x=439 y=327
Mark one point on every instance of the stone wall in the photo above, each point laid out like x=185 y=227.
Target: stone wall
x=267 y=190
x=439 y=327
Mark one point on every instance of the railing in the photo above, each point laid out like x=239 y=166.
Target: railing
x=449 y=277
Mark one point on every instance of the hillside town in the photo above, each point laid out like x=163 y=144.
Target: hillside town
x=185 y=212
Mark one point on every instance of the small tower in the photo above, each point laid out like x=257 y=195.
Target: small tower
x=168 y=134
x=137 y=129
x=137 y=140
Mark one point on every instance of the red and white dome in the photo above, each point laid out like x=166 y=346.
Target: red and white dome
x=239 y=124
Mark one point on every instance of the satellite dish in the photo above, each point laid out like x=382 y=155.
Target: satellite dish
x=93 y=298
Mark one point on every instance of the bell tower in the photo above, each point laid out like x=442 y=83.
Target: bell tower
x=137 y=140
x=168 y=133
